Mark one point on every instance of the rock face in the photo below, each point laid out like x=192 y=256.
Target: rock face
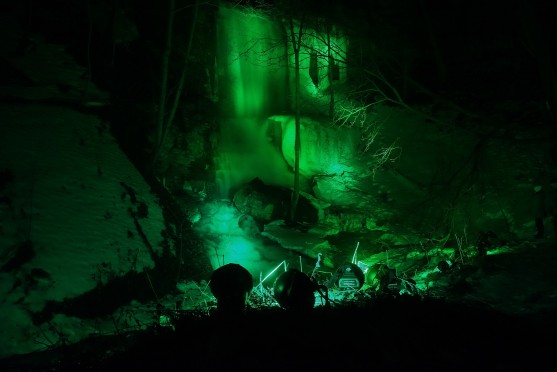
x=262 y=202
x=326 y=149
x=341 y=190
x=76 y=213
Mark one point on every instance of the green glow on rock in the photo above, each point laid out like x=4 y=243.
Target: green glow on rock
x=498 y=250
x=325 y=149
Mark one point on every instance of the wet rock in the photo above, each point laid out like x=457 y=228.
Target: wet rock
x=333 y=150
x=267 y=203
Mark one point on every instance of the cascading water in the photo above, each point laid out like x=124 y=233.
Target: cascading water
x=255 y=130
x=253 y=84
x=252 y=53
x=253 y=80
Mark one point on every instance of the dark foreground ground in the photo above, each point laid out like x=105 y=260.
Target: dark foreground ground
x=402 y=333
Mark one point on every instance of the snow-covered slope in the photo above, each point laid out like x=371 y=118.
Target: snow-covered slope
x=69 y=202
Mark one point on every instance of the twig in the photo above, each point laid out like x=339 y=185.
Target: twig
x=151 y=284
x=50 y=343
x=459 y=243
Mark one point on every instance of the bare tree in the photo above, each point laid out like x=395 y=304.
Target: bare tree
x=330 y=71
x=164 y=122
x=296 y=40
x=164 y=78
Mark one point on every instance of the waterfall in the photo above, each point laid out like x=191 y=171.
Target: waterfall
x=253 y=84
x=252 y=54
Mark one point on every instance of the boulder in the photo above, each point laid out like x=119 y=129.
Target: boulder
x=325 y=149
x=266 y=203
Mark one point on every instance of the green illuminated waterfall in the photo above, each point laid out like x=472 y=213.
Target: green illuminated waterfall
x=252 y=54
x=256 y=137
x=253 y=84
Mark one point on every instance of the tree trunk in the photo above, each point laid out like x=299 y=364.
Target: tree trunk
x=182 y=76
x=331 y=62
x=164 y=78
x=164 y=125
x=296 y=41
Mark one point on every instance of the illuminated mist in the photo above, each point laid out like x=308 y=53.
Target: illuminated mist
x=226 y=242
